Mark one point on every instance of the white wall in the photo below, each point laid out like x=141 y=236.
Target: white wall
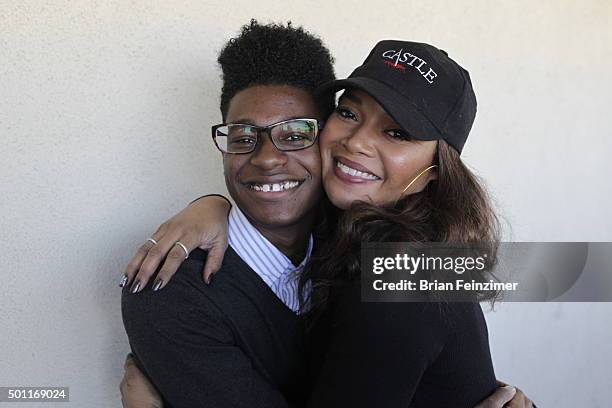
x=105 y=110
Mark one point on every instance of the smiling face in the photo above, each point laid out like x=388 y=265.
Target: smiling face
x=275 y=189
x=366 y=156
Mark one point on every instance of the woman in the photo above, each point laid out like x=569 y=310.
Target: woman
x=391 y=168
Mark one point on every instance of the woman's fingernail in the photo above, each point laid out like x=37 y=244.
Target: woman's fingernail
x=209 y=281
x=157 y=285
x=123 y=281
x=136 y=286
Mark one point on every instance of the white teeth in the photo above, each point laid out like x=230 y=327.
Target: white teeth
x=355 y=173
x=275 y=187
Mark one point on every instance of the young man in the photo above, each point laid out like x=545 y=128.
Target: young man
x=239 y=341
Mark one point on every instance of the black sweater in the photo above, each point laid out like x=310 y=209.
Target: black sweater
x=235 y=344
x=231 y=344
x=400 y=354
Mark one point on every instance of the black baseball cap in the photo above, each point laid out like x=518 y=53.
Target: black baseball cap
x=427 y=93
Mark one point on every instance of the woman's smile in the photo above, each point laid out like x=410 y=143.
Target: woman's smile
x=353 y=172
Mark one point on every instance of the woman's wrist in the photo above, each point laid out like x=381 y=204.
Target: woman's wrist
x=213 y=195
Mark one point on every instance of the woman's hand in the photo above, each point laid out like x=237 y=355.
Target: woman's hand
x=202 y=224
x=506 y=396
x=136 y=390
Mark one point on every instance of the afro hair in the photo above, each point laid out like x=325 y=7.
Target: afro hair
x=275 y=54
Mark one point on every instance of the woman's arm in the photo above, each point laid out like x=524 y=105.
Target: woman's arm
x=202 y=224
x=138 y=392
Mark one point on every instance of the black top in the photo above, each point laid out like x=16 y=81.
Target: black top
x=400 y=354
x=231 y=344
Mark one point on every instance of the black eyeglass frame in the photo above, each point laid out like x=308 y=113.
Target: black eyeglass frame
x=268 y=129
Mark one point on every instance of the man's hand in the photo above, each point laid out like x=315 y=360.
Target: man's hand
x=506 y=396
x=136 y=390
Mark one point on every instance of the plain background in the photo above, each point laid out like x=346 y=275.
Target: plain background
x=105 y=111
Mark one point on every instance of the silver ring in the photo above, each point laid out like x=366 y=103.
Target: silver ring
x=151 y=240
x=184 y=248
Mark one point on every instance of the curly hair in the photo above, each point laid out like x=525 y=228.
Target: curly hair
x=275 y=54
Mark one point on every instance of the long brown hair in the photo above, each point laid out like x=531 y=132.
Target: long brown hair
x=454 y=208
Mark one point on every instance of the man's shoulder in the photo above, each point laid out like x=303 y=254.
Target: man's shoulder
x=183 y=307
x=187 y=284
x=236 y=292
x=236 y=289
x=233 y=271
x=186 y=289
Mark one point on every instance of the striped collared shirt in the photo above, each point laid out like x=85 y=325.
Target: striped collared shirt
x=276 y=270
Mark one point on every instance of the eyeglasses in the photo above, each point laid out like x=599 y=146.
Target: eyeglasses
x=288 y=135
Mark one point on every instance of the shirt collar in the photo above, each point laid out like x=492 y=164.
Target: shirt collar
x=259 y=253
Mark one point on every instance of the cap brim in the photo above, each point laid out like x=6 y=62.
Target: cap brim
x=400 y=108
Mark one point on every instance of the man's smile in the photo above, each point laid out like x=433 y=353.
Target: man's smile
x=275 y=187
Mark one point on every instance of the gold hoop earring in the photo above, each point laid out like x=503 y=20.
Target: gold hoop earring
x=416 y=178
